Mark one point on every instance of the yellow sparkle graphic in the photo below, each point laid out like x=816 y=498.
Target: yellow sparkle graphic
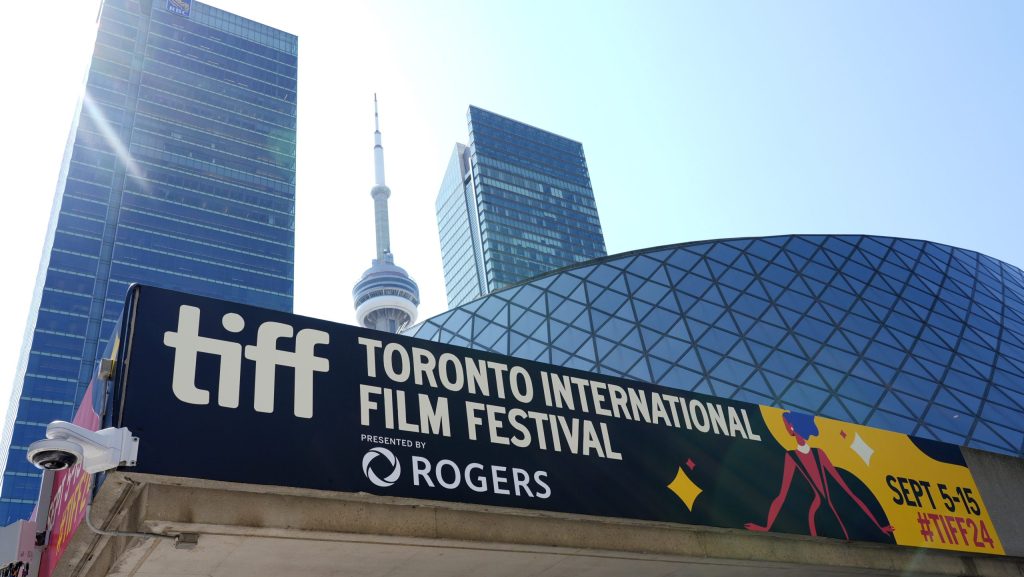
x=685 y=489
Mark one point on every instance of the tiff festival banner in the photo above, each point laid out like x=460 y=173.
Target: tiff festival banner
x=223 y=391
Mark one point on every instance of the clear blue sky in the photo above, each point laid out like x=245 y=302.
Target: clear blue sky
x=700 y=120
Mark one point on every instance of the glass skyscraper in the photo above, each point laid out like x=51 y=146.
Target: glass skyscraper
x=515 y=203
x=906 y=335
x=180 y=173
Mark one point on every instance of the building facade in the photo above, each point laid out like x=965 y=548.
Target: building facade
x=515 y=203
x=179 y=172
x=906 y=335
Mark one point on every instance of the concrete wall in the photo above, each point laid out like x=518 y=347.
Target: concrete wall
x=1001 y=482
x=257 y=531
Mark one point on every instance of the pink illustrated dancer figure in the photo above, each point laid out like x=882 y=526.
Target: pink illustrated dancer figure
x=815 y=467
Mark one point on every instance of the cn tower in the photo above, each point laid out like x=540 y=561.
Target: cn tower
x=385 y=297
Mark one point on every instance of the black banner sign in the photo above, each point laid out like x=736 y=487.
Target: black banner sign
x=222 y=391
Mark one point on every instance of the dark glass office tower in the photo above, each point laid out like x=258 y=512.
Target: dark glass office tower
x=179 y=172
x=515 y=203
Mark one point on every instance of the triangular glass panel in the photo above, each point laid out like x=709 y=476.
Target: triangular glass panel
x=837 y=359
x=427 y=331
x=718 y=340
x=587 y=351
x=658 y=368
x=559 y=357
x=763 y=249
x=669 y=349
x=757 y=384
x=676 y=275
x=705 y=312
x=660 y=320
x=515 y=341
x=830 y=378
x=751 y=305
x=670 y=303
x=494 y=309
x=634 y=282
x=642 y=309
x=1008 y=397
x=532 y=350
x=556 y=328
x=691 y=361
x=771 y=316
x=697 y=329
x=693 y=286
x=859 y=411
x=554 y=301
x=493 y=338
x=834 y=409
x=955 y=402
x=602 y=276
x=528 y=323
x=858 y=342
x=526 y=296
x=806 y=397
x=609 y=302
x=472 y=306
x=567 y=311
x=766 y=334
x=731 y=371
x=777 y=382
x=809 y=345
x=621 y=359
x=651 y=337
x=1013 y=437
x=886 y=374
x=861 y=391
x=863 y=371
x=651 y=292
x=457 y=320
x=570 y=339
x=723 y=253
x=915 y=385
x=681 y=378
x=758 y=352
x=1009 y=439
x=640 y=371
x=791 y=261
x=625 y=312
x=757 y=264
x=723 y=389
x=743 y=322
x=644 y=266
x=703 y=388
x=796 y=302
x=708 y=357
x=604 y=346
x=914 y=405
x=785 y=363
x=593 y=290
x=740 y=352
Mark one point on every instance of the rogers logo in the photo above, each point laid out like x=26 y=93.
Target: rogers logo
x=392 y=470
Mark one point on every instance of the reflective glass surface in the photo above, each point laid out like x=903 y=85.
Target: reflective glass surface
x=905 y=335
x=516 y=203
x=180 y=173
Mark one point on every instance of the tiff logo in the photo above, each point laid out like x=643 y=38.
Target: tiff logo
x=187 y=345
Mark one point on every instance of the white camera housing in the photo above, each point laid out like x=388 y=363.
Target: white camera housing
x=67 y=444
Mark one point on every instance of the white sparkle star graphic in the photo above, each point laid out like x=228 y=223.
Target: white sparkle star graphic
x=863 y=450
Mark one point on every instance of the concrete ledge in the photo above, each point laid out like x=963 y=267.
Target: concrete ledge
x=444 y=538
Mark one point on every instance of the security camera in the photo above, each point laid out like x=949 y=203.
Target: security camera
x=67 y=444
